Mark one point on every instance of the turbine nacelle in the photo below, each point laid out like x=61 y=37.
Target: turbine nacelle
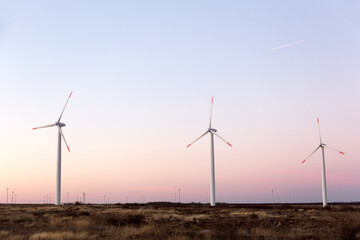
x=212 y=130
x=59 y=124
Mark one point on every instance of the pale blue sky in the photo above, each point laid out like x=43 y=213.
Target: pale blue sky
x=143 y=73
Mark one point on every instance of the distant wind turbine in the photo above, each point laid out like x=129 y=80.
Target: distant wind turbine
x=60 y=134
x=212 y=132
x=323 y=174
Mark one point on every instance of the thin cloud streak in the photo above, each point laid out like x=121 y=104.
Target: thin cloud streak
x=290 y=44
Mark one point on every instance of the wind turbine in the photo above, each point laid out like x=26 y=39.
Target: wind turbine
x=212 y=132
x=60 y=135
x=323 y=174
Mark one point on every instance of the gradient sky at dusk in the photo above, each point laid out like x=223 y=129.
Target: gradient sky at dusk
x=142 y=75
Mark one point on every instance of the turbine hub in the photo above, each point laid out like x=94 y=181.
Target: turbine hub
x=60 y=124
x=212 y=130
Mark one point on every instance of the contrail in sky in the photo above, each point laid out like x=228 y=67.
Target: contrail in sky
x=290 y=44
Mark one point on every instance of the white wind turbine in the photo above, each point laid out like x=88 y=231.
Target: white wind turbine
x=212 y=132
x=323 y=174
x=60 y=134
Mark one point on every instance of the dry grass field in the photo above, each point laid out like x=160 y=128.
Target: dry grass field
x=179 y=221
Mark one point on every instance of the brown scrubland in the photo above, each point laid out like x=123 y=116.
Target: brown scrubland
x=180 y=221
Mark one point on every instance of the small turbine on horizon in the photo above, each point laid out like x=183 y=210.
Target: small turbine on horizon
x=60 y=135
x=323 y=174
x=212 y=132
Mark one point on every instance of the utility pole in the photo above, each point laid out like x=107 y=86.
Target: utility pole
x=68 y=197
x=77 y=197
x=15 y=198
x=179 y=194
x=104 y=198
x=50 y=199
x=47 y=198
x=272 y=196
x=12 y=197
x=83 y=198
x=126 y=199
x=7 y=195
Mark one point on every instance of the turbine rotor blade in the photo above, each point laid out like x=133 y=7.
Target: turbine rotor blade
x=212 y=100
x=62 y=135
x=64 y=107
x=319 y=129
x=216 y=134
x=197 y=139
x=50 y=125
x=335 y=150
x=311 y=154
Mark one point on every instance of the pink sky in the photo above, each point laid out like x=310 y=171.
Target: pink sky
x=143 y=78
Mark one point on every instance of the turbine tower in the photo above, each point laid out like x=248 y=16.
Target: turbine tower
x=323 y=174
x=212 y=132
x=60 y=135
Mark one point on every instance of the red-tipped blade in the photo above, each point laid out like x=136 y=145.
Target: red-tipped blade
x=63 y=137
x=62 y=112
x=216 y=134
x=197 y=139
x=212 y=100
x=319 y=129
x=311 y=154
x=334 y=150
x=51 y=125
